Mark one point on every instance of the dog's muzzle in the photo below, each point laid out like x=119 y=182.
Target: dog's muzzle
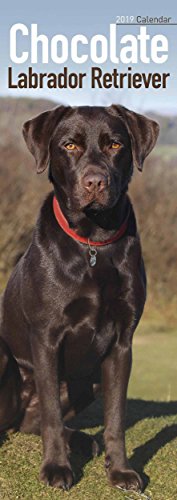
x=95 y=183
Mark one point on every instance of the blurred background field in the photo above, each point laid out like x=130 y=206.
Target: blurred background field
x=152 y=408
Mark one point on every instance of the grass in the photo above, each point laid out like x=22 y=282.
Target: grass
x=151 y=434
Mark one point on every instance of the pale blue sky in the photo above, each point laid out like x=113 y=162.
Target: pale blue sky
x=90 y=18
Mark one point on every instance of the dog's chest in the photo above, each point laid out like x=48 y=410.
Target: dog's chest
x=92 y=318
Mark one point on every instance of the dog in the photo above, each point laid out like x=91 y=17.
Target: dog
x=75 y=297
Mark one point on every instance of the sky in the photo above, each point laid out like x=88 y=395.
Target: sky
x=90 y=18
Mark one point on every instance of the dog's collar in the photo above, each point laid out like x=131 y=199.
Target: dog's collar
x=63 y=223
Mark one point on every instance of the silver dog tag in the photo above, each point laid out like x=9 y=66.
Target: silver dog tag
x=93 y=254
x=93 y=260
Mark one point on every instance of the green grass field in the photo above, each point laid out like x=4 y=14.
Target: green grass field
x=151 y=434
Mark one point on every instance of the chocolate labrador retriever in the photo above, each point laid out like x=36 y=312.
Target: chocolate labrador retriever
x=76 y=296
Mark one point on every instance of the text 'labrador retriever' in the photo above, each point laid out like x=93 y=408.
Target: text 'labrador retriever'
x=76 y=296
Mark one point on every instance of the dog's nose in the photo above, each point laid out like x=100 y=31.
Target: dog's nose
x=95 y=182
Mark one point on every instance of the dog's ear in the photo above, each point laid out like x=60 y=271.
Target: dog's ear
x=37 y=133
x=143 y=133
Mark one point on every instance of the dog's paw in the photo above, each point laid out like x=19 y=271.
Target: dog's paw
x=58 y=476
x=125 y=479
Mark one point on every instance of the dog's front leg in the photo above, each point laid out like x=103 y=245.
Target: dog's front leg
x=115 y=376
x=56 y=469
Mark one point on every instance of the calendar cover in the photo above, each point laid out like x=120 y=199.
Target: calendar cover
x=95 y=61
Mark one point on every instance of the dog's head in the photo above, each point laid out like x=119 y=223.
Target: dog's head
x=90 y=151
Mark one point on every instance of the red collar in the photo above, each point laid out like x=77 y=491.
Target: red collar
x=63 y=223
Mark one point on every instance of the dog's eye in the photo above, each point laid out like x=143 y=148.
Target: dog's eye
x=115 y=145
x=70 y=146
